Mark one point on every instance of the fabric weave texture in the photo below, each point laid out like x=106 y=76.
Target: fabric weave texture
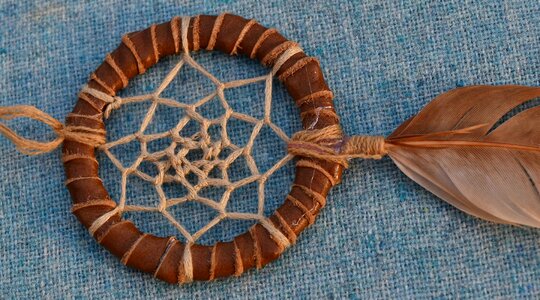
x=380 y=235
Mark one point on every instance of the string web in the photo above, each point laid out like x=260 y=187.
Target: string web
x=174 y=163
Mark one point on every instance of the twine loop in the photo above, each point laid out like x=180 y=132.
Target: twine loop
x=329 y=144
x=81 y=134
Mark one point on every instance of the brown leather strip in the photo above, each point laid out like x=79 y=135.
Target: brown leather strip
x=202 y=257
x=213 y=262
x=70 y=157
x=101 y=83
x=296 y=86
x=224 y=259
x=319 y=112
x=143 y=46
x=78 y=167
x=307 y=207
x=269 y=44
x=170 y=242
x=241 y=36
x=181 y=270
x=293 y=216
x=127 y=255
x=120 y=238
x=319 y=183
x=282 y=224
x=191 y=34
x=256 y=248
x=231 y=29
x=75 y=179
x=165 y=41
x=311 y=193
x=106 y=79
x=86 y=190
x=131 y=46
x=142 y=255
x=287 y=64
x=155 y=46
x=206 y=24
x=305 y=163
x=276 y=234
x=268 y=249
x=215 y=31
x=238 y=264
x=117 y=70
x=126 y=61
x=168 y=269
x=267 y=33
x=163 y=257
x=297 y=67
x=92 y=101
x=175 y=31
x=101 y=231
x=88 y=214
x=307 y=212
x=196 y=31
x=309 y=98
x=250 y=39
x=246 y=246
x=270 y=58
x=101 y=202
x=313 y=205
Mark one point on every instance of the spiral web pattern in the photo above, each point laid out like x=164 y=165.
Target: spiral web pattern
x=173 y=164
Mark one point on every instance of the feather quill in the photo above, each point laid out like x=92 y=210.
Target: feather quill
x=453 y=148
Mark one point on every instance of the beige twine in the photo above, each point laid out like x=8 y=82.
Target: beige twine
x=85 y=135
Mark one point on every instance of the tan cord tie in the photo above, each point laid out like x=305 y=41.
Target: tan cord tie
x=328 y=144
x=85 y=135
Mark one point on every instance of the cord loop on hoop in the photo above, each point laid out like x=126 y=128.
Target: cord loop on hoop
x=81 y=134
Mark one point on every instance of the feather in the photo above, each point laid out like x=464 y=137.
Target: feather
x=454 y=149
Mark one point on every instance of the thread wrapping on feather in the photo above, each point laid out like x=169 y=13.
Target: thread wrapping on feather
x=329 y=144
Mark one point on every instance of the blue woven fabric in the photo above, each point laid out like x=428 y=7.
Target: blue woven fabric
x=380 y=236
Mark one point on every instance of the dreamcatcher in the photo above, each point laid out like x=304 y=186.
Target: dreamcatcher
x=454 y=147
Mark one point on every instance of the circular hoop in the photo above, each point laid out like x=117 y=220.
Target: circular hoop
x=167 y=258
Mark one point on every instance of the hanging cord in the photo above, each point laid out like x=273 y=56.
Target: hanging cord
x=81 y=134
x=328 y=144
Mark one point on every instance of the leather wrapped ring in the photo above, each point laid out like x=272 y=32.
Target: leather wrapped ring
x=166 y=257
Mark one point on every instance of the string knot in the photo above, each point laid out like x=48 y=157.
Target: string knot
x=114 y=105
x=113 y=102
x=329 y=144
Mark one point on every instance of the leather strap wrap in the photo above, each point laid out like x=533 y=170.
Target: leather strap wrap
x=166 y=257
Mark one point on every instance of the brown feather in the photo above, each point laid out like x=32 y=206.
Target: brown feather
x=451 y=149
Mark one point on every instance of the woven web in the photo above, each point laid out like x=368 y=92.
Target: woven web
x=173 y=164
